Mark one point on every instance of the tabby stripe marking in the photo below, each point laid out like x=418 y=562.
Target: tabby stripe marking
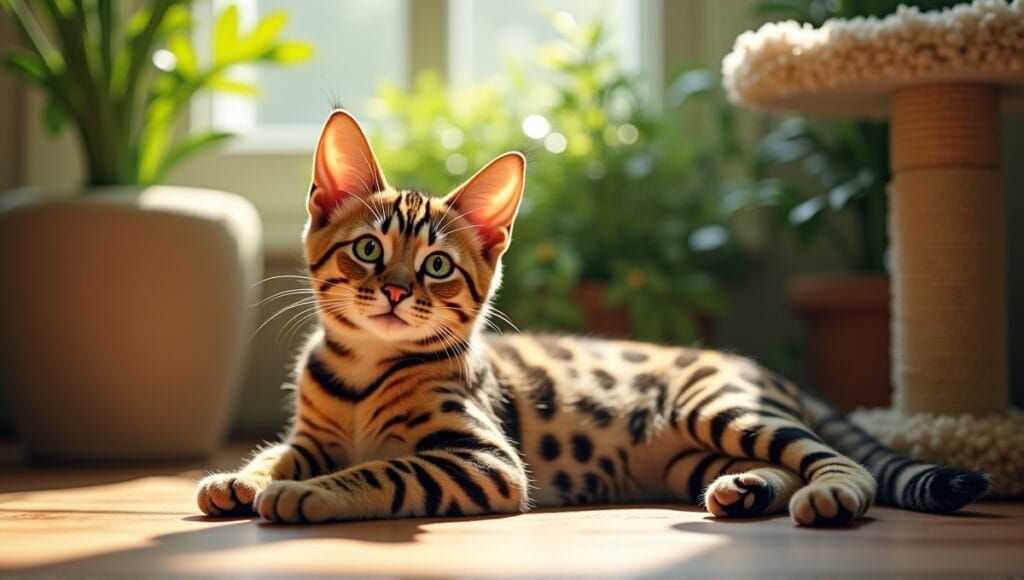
x=448 y=439
x=328 y=462
x=307 y=405
x=392 y=422
x=696 y=483
x=811 y=459
x=337 y=348
x=676 y=459
x=722 y=420
x=337 y=388
x=431 y=489
x=685 y=394
x=399 y=497
x=694 y=414
x=782 y=438
x=784 y=408
x=331 y=283
x=314 y=466
x=327 y=255
x=496 y=478
x=461 y=478
x=470 y=283
x=370 y=478
x=418 y=420
x=507 y=412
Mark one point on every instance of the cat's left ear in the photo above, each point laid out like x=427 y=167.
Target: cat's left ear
x=490 y=200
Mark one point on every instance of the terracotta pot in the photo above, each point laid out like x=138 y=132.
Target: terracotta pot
x=846 y=319
x=602 y=320
x=124 y=319
x=614 y=322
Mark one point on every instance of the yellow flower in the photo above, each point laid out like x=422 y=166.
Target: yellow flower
x=636 y=278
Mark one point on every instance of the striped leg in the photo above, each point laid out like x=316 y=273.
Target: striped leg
x=224 y=494
x=730 y=487
x=450 y=482
x=745 y=419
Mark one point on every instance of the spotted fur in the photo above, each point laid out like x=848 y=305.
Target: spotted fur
x=405 y=407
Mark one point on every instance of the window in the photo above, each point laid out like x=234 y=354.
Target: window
x=483 y=33
x=360 y=43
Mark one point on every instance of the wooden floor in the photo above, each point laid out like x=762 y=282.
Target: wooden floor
x=143 y=521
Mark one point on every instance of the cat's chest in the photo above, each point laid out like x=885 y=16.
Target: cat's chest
x=381 y=427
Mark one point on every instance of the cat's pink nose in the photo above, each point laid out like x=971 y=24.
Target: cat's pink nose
x=395 y=293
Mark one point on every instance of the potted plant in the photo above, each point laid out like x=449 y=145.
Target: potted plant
x=623 y=231
x=123 y=312
x=828 y=180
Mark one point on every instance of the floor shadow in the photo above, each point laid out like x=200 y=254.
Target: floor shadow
x=234 y=533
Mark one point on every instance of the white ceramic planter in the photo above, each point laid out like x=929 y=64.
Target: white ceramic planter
x=124 y=319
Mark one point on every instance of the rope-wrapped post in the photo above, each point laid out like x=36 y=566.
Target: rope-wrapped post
x=948 y=250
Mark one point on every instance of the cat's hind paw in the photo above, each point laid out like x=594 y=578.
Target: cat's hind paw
x=227 y=494
x=294 y=502
x=742 y=495
x=827 y=504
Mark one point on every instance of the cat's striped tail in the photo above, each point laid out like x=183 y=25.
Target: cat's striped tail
x=902 y=481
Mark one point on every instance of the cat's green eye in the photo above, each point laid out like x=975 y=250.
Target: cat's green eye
x=368 y=249
x=438 y=265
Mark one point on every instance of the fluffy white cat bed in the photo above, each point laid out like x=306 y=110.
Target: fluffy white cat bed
x=941 y=78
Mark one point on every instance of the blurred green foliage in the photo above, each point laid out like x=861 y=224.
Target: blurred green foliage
x=619 y=191
x=827 y=178
x=99 y=64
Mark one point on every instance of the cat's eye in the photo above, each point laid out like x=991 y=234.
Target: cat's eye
x=368 y=249
x=438 y=265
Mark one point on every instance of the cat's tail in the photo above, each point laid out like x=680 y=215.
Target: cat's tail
x=902 y=481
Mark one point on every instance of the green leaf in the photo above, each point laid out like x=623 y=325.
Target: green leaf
x=29 y=65
x=291 y=52
x=225 y=35
x=224 y=84
x=54 y=116
x=265 y=34
x=181 y=46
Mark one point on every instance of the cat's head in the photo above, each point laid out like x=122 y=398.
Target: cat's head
x=399 y=265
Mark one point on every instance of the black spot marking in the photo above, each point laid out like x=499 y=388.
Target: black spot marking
x=685 y=359
x=550 y=448
x=542 y=392
x=553 y=349
x=639 y=422
x=604 y=380
x=607 y=466
x=601 y=414
x=582 y=448
x=592 y=483
x=562 y=481
x=634 y=356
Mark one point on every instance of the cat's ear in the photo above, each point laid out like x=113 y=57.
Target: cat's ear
x=490 y=200
x=344 y=166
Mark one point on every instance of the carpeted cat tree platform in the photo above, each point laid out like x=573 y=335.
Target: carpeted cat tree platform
x=941 y=77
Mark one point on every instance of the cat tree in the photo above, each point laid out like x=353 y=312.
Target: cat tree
x=941 y=77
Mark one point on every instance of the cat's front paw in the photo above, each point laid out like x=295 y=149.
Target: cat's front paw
x=827 y=504
x=228 y=494
x=739 y=496
x=294 y=502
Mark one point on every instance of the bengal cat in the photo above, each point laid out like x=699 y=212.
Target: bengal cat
x=404 y=407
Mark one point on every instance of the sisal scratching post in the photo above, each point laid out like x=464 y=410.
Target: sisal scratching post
x=948 y=250
x=941 y=77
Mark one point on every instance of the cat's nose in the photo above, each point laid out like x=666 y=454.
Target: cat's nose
x=395 y=292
